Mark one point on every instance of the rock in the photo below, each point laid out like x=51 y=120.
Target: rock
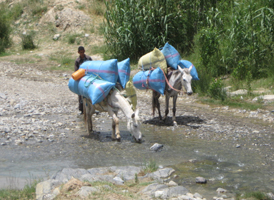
x=72 y=184
x=118 y=180
x=197 y=195
x=85 y=191
x=125 y=172
x=159 y=194
x=221 y=190
x=3 y=96
x=152 y=188
x=201 y=180
x=86 y=35
x=185 y=197
x=161 y=173
x=238 y=146
x=17 y=106
x=174 y=192
x=264 y=97
x=67 y=173
x=238 y=92
x=56 y=37
x=270 y=195
x=156 y=147
x=171 y=183
x=45 y=188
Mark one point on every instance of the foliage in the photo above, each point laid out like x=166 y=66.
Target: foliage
x=27 y=41
x=97 y=7
x=4 y=31
x=216 y=90
x=28 y=192
x=149 y=167
x=201 y=86
x=257 y=195
x=72 y=38
x=135 y=27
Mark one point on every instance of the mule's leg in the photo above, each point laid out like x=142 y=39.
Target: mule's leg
x=174 y=110
x=156 y=103
x=88 y=114
x=167 y=107
x=115 y=125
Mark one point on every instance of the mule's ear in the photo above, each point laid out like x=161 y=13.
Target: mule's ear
x=137 y=112
x=180 y=69
x=190 y=68
x=133 y=115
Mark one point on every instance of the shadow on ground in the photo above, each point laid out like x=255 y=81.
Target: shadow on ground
x=181 y=120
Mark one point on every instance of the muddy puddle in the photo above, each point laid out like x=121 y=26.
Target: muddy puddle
x=223 y=165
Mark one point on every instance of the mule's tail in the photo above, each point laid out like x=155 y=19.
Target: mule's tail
x=84 y=111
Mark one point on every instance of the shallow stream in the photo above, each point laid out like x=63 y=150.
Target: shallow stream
x=223 y=165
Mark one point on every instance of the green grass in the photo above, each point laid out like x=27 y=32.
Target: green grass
x=64 y=59
x=234 y=103
x=254 y=194
x=27 y=193
x=149 y=167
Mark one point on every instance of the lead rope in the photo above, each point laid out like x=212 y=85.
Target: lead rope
x=169 y=83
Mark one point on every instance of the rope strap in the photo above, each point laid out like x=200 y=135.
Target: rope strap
x=169 y=83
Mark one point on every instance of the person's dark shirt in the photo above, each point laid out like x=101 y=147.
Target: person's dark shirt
x=79 y=61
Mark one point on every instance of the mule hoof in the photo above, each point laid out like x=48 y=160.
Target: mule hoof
x=175 y=123
x=118 y=139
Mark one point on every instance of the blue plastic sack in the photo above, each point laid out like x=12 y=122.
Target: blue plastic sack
x=107 y=70
x=172 y=55
x=187 y=64
x=94 y=89
x=73 y=86
x=154 y=80
x=124 y=72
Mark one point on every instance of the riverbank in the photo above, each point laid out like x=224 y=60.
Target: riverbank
x=42 y=133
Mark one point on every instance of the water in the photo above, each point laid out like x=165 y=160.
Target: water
x=223 y=165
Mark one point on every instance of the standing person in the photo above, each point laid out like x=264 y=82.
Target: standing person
x=82 y=58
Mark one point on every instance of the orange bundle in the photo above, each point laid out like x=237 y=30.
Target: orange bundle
x=78 y=74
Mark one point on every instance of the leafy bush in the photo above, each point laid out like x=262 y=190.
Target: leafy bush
x=4 y=32
x=135 y=27
x=27 y=41
x=216 y=90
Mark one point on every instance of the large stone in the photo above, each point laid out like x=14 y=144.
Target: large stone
x=221 y=190
x=264 y=98
x=156 y=147
x=126 y=172
x=174 y=192
x=3 y=96
x=238 y=92
x=201 y=180
x=152 y=188
x=72 y=184
x=67 y=173
x=85 y=191
x=161 y=173
x=56 y=36
x=45 y=188
x=118 y=180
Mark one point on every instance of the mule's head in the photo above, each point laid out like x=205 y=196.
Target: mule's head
x=133 y=125
x=186 y=79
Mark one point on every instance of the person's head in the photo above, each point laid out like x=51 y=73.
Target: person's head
x=81 y=51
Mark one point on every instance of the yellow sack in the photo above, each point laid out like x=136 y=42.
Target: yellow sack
x=130 y=94
x=153 y=59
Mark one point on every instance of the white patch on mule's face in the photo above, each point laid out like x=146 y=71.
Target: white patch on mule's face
x=186 y=79
x=134 y=127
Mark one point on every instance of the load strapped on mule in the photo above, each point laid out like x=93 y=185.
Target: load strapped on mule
x=106 y=88
x=95 y=79
x=153 y=66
